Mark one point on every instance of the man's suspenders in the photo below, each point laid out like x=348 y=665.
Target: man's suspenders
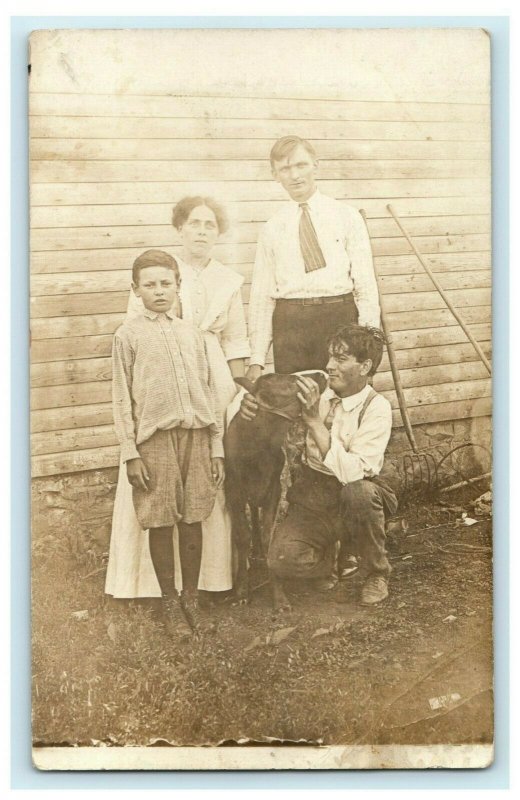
x=372 y=393
x=387 y=481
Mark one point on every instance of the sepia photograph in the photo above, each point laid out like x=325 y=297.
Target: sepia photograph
x=263 y=255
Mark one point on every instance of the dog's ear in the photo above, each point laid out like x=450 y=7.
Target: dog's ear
x=246 y=383
x=320 y=378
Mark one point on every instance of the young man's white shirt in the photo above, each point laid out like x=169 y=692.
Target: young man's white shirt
x=279 y=270
x=356 y=451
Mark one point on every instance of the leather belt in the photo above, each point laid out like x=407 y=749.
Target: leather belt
x=312 y=301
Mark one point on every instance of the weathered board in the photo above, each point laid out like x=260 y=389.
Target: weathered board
x=107 y=169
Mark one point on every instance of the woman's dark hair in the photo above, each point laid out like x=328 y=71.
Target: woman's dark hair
x=184 y=207
x=362 y=341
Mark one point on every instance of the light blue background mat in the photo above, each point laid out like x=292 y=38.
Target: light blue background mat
x=23 y=776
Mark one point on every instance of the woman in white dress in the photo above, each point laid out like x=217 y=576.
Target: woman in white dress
x=211 y=298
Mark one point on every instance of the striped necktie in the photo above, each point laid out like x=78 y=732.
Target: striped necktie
x=334 y=403
x=309 y=245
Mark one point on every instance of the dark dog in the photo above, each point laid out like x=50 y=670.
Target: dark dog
x=254 y=462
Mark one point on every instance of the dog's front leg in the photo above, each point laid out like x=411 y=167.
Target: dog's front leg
x=269 y=511
x=280 y=600
x=241 y=539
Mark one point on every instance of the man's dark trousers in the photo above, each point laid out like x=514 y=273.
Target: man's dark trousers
x=323 y=511
x=301 y=331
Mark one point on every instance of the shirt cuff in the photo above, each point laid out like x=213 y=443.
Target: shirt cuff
x=257 y=358
x=371 y=322
x=217 y=448
x=129 y=451
x=235 y=350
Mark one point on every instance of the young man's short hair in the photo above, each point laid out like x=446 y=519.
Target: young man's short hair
x=285 y=146
x=184 y=207
x=155 y=258
x=362 y=341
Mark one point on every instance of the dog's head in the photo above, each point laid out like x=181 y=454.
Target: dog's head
x=278 y=393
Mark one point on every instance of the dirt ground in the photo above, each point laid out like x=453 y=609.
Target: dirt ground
x=415 y=670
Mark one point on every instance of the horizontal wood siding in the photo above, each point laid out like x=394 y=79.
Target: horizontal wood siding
x=107 y=170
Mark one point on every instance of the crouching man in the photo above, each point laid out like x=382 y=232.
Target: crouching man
x=340 y=496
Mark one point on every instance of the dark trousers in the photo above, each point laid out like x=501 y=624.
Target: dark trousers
x=321 y=512
x=300 y=332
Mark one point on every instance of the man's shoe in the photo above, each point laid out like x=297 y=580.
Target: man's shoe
x=348 y=567
x=175 y=622
x=375 y=590
x=198 y=617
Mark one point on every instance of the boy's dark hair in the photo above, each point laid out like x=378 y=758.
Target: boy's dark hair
x=184 y=207
x=284 y=147
x=362 y=341
x=155 y=258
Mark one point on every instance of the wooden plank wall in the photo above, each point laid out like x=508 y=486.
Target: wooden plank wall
x=107 y=169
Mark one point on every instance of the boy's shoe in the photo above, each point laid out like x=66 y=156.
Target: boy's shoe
x=175 y=622
x=198 y=616
x=374 y=590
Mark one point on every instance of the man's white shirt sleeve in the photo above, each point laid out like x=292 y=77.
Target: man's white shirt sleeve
x=365 y=289
x=366 y=448
x=262 y=301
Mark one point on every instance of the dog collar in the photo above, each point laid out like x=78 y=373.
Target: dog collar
x=278 y=410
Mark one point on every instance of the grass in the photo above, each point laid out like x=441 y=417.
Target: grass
x=329 y=672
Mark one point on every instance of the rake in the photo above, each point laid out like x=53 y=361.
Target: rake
x=421 y=468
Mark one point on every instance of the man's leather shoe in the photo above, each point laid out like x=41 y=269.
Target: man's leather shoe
x=375 y=589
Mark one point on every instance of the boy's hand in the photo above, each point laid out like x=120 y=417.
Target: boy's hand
x=218 y=471
x=137 y=473
x=254 y=372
